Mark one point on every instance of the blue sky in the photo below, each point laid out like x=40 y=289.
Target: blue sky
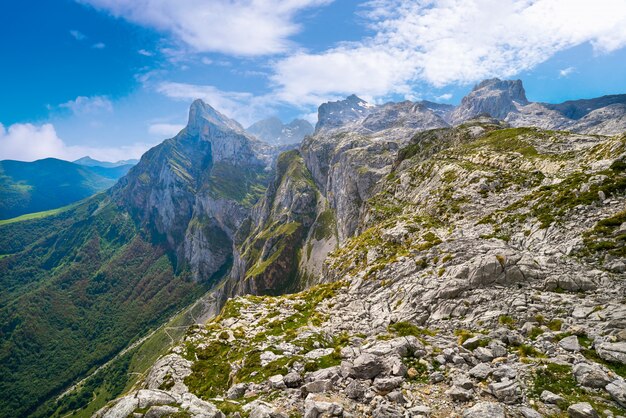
x=110 y=78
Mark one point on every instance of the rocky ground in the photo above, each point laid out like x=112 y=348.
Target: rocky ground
x=486 y=278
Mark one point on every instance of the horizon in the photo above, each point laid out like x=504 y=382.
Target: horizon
x=112 y=78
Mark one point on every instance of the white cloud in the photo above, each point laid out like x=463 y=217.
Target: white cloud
x=165 y=129
x=83 y=105
x=243 y=107
x=99 y=45
x=145 y=53
x=443 y=42
x=79 y=36
x=28 y=142
x=239 y=27
x=444 y=97
x=566 y=71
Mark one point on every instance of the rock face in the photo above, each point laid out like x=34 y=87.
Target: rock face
x=274 y=132
x=494 y=97
x=194 y=190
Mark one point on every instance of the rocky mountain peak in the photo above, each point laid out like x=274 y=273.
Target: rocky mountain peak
x=202 y=114
x=494 y=97
x=334 y=114
x=514 y=88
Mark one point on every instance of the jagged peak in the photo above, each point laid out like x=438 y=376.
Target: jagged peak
x=201 y=112
x=515 y=88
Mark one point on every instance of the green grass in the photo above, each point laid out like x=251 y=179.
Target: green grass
x=37 y=215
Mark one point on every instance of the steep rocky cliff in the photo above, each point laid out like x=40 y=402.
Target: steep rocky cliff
x=195 y=189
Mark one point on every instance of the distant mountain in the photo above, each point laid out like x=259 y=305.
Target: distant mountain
x=27 y=187
x=90 y=162
x=274 y=132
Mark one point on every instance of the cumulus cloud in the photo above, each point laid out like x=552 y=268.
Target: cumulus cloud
x=83 y=105
x=444 y=42
x=244 y=107
x=566 y=71
x=28 y=142
x=239 y=27
x=165 y=129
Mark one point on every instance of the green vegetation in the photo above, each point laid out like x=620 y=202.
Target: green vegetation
x=403 y=329
x=558 y=378
x=506 y=320
x=243 y=185
x=212 y=373
x=73 y=299
x=604 y=237
x=39 y=186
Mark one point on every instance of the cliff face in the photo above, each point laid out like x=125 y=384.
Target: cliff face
x=195 y=189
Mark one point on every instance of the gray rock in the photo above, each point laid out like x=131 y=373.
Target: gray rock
x=483 y=354
x=318 y=386
x=436 y=377
x=529 y=412
x=396 y=396
x=277 y=382
x=420 y=411
x=551 y=398
x=570 y=343
x=480 y=371
x=388 y=411
x=612 y=352
x=292 y=380
x=617 y=390
x=355 y=390
x=485 y=410
x=387 y=384
x=590 y=376
x=459 y=394
x=366 y=366
x=316 y=407
x=582 y=410
x=507 y=391
x=237 y=391
x=474 y=342
x=160 y=411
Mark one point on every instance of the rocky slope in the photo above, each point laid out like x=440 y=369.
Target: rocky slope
x=478 y=272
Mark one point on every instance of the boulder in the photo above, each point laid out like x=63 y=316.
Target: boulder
x=366 y=366
x=590 y=376
x=507 y=391
x=582 y=410
x=481 y=371
x=570 y=343
x=617 y=390
x=615 y=352
x=485 y=410
x=292 y=380
x=550 y=398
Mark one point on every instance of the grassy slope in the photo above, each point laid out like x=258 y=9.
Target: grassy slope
x=76 y=297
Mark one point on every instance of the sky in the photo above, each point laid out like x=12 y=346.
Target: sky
x=111 y=78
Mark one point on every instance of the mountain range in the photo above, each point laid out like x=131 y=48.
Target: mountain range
x=27 y=187
x=408 y=259
x=274 y=132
